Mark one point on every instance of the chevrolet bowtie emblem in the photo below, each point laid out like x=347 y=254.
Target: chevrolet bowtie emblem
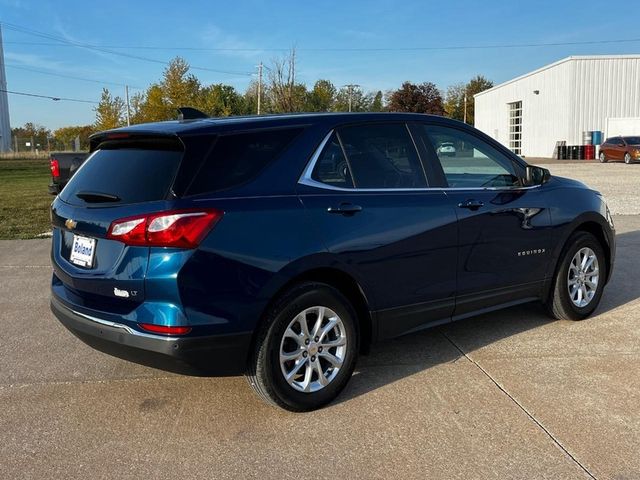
x=70 y=224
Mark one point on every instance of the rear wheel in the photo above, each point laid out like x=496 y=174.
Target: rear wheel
x=602 y=157
x=306 y=350
x=579 y=280
x=627 y=158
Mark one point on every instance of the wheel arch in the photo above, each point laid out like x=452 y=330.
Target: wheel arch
x=595 y=229
x=598 y=230
x=343 y=282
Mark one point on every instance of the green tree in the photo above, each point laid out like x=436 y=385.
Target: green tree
x=285 y=94
x=454 y=101
x=64 y=138
x=476 y=85
x=377 y=103
x=416 y=98
x=150 y=106
x=179 y=87
x=36 y=135
x=322 y=97
x=250 y=99
x=461 y=93
x=360 y=101
x=220 y=100
x=109 y=112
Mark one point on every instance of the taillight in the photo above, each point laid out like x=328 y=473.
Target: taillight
x=174 y=228
x=165 y=330
x=55 y=168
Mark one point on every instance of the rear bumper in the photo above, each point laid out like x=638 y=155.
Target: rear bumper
x=193 y=355
x=55 y=188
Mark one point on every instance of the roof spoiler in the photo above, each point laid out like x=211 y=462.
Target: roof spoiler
x=189 y=113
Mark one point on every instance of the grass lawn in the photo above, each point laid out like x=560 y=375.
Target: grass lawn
x=24 y=199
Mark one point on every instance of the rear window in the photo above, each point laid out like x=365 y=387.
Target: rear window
x=120 y=176
x=239 y=158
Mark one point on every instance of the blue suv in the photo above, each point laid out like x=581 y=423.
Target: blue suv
x=281 y=247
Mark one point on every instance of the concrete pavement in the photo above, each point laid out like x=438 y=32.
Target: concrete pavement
x=505 y=395
x=617 y=181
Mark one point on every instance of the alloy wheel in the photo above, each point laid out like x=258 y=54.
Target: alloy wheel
x=583 y=277
x=313 y=349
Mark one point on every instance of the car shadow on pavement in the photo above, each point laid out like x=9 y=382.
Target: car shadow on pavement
x=624 y=284
x=402 y=357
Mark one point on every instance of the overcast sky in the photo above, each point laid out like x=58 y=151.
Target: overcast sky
x=252 y=31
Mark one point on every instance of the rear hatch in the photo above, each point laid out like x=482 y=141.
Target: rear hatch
x=122 y=177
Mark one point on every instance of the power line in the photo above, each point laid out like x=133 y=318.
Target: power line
x=97 y=48
x=44 y=72
x=332 y=49
x=55 y=99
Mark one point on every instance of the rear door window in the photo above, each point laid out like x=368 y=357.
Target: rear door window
x=238 y=158
x=380 y=156
x=122 y=176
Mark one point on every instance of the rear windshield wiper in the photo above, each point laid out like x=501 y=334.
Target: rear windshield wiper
x=97 y=197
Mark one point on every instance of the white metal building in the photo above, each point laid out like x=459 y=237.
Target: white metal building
x=530 y=113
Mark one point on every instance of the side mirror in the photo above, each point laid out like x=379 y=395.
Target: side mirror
x=536 y=175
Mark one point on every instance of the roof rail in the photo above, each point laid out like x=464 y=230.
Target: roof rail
x=189 y=113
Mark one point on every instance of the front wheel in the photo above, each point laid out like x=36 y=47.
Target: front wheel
x=306 y=350
x=627 y=158
x=602 y=157
x=579 y=280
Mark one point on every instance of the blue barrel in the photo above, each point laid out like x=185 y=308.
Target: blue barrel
x=596 y=137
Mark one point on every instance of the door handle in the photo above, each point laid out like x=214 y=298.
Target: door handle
x=471 y=204
x=345 y=209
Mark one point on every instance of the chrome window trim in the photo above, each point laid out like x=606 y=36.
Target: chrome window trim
x=305 y=179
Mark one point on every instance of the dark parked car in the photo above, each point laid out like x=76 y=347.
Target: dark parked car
x=63 y=166
x=620 y=148
x=283 y=246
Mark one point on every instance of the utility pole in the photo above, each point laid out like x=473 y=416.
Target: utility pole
x=126 y=94
x=351 y=86
x=259 y=86
x=465 y=107
x=5 y=127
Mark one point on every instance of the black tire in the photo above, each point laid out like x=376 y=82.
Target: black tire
x=602 y=157
x=559 y=303
x=264 y=372
x=627 y=158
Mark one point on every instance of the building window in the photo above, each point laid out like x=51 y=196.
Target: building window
x=515 y=127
